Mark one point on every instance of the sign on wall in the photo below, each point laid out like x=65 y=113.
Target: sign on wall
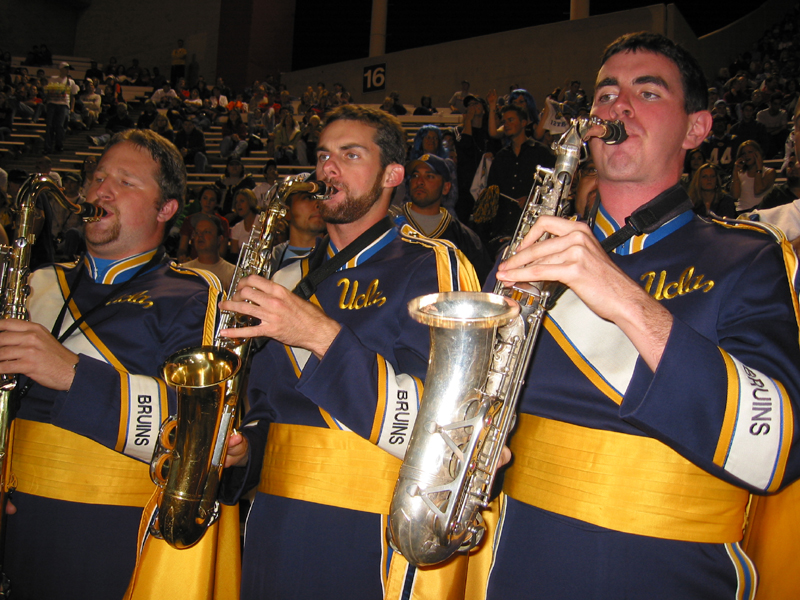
x=374 y=78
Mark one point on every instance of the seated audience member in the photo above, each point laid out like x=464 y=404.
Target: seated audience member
x=209 y=205
x=163 y=127
x=287 y=134
x=176 y=113
x=208 y=241
x=44 y=166
x=430 y=179
x=776 y=121
x=270 y=173
x=398 y=110
x=751 y=181
x=694 y=160
x=708 y=195
x=217 y=102
x=425 y=108
x=121 y=121
x=720 y=146
x=458 y=105
x=161 y=97
x=245 y=206
x=148 y=115
x=747 y=128
x=233 y=180
x=234 y=136
x=191 y=143
x=310 y=133
x=305 y=226
x=92 y=105
x=428 y=140
x=784 y=193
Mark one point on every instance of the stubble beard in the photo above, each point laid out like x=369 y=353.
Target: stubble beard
x=352 y=209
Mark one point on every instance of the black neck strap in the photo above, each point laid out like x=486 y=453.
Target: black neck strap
x=319 y=269
x=649 y=217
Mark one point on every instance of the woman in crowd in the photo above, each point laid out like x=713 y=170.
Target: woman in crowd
x=209 y=203
x=691 y=164
x=426 y=107
x=234 y=136
x=428 y=140
x=708 y=195
x=752 y=181
x=270 y=173
x=245 y=205
x=233 y=180
x=287 y=133
x=163 y=127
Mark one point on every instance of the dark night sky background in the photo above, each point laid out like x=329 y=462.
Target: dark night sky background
x=414 y=23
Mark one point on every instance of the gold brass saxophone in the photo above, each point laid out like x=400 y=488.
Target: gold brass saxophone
x=15 y=261
x=481 y=345
x=209 y=380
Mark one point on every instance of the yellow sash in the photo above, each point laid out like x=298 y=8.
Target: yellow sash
x=55 y=463
x=623 y=482
x=328 y=466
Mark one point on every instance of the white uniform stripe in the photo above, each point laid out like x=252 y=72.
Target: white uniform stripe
x=144 y=417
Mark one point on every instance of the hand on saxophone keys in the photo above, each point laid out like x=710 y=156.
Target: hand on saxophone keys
x=29 y=349
x=574 y=257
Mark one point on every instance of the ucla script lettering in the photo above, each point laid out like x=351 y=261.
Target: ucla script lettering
x=355 y=300
x=140 y=298
x=686 y=283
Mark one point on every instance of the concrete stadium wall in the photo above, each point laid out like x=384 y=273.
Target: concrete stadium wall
x=148 y=30
x=35 y=22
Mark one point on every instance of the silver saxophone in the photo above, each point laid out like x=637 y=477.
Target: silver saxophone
x=481 y=346
x=209 y=382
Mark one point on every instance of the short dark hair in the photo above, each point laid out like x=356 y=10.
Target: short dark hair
x=171 y=176
x=521 y=112
x=389 y=134
x=695 y=90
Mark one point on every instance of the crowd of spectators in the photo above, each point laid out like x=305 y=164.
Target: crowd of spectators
x=490 y=155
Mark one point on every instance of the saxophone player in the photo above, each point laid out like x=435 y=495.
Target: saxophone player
x=334 y=392
x=98 y=332
x=664 y=388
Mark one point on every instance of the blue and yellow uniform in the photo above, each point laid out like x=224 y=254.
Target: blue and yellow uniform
x=81 y=458
x=631 y=484
x=327 y=436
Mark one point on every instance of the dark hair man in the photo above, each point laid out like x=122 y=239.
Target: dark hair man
x=342 y=371
x=664 y=383
x=87 y=427
x=305 y=226
x=428 y=184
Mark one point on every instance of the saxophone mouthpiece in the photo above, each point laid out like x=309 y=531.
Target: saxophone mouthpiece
x=320 y=190
x=614 y=132
x=91 y=212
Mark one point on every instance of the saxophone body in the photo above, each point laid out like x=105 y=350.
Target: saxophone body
x=15 y=263
x=481 y=346
x=209 y=381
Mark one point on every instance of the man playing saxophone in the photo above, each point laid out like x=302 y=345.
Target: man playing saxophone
x=664 y=386
x=335 y=391
x=98 y=332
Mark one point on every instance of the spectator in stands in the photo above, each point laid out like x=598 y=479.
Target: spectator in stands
x=270 y=173
x=693 y=161
x=737 y=94
x=471 y=144
x=457 y=104
x=191 y=143
x=748 y=128
x=61 y=91
x=572 y=97
x=751 y=181
x=430 y=179
x=87 y=171
x=708 y=195
x=521 y=98
x=111 y=66
x=425 y=108
x=209 y=242
x=310 y=133
x=44 y=166
x=121 y=121
x=163 y=127
x=713 y=96
x=719 y=147
x=180 y=89
x=178 y=63
x=134 y=71
x=217 y=102
x=233 y=180
x=287 y=133
x=209 y=205
x=148 y=115
x=92 y=105
x=161 y=97
x=785 y=192
x=398 y=110
x=234 y=136
x=305 y=226
x=512 y=171
x=776 y=121
x=245 y=207
x=67 y=227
